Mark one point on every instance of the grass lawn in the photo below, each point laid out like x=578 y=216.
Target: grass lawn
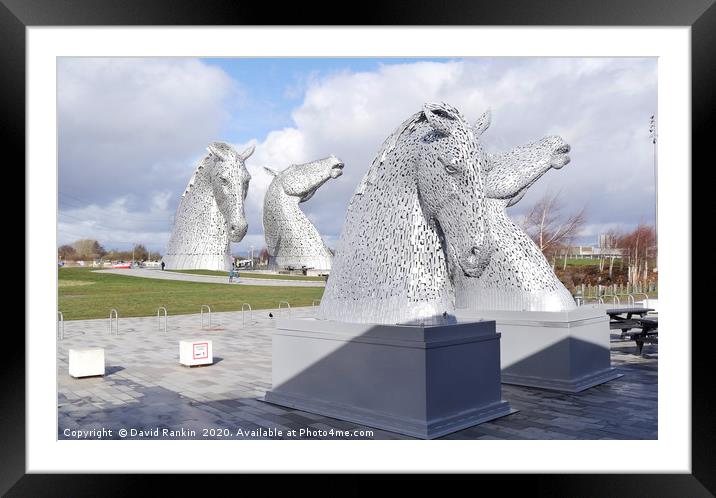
x=266 y=276
x=84 y=295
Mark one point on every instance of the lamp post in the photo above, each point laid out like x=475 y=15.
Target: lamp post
x=653 y=136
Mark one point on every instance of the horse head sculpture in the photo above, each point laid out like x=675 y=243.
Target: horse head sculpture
x=291 y=239
x=210 y=214
x=414 y=224
x=518 y=277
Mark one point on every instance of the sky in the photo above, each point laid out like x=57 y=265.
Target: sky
x=131 y=130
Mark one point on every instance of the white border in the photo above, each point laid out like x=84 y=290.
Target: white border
x=671 y=453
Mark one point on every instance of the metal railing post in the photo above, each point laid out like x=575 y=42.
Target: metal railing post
x=243 y=317
x=646 y=301
x=116 y=322
x=159 y=319
x=315 y=309
x=61 y=325
x=202 y=315
x=287 y=304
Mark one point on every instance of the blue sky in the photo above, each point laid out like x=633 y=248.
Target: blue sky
x=131 y=130
x=273 y=87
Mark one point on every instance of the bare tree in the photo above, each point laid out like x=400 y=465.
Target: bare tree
x=550 y=228
x=66 y=252
x=140 y=252
x=88 y=249
x=263 y=256
x=637 y=247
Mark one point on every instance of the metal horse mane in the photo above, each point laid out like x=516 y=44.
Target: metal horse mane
x=210 y=214
x=414 y=224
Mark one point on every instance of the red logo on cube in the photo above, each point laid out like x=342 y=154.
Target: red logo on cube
x=200 y=350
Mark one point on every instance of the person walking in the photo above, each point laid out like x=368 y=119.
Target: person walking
x=162 y=265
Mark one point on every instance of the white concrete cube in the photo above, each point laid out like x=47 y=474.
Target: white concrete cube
x=86 y=362
x=195 y=352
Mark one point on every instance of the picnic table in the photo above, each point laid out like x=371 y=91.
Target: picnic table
x=648 y=332
x=623 y=318
x=627 y=319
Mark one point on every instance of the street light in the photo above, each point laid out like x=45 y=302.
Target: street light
x=653 y=136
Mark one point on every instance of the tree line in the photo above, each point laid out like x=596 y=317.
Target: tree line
x=553 y=230
x=90 y=250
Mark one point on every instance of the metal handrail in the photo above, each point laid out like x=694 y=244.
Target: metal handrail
x=116 y=322
x=243 y=317
x=287 y=304
x=615 y=298
x=313 y=305
x=646 y=301
x=202 y=315
x=61 y=326
x=630 y=299
x=159 y=319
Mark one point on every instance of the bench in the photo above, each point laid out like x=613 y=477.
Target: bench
x=645 y=330
x=648 y=333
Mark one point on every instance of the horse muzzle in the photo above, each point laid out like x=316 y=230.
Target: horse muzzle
x=337 y=170
x=238 y=231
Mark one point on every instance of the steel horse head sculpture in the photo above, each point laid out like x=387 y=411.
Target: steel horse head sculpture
x=291 y=238
x=211 y=212
x=518 y=276
x=415 y=224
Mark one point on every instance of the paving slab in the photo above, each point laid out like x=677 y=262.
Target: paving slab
x=145 y=387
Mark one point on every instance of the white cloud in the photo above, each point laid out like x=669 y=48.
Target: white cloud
x=130 y=127
x=129 y=124
x=600 y=106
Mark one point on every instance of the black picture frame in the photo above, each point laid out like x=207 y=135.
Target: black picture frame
x=700 y=15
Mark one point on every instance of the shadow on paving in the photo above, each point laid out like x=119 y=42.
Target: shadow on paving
x=163 y=414
x=625 y=408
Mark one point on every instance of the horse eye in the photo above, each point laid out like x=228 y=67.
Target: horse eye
x=443 y=114
x=224 y=180
x=451 y=169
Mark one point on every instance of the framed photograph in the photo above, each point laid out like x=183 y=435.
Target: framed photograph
x=428 y=241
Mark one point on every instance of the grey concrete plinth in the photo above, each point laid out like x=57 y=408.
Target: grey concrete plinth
x=420 y=381
x=564 y=351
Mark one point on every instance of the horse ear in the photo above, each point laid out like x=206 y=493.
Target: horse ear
x=247 y=153
x=483 y=123
x=439 y=117
x=270 y=171
x=214 y=148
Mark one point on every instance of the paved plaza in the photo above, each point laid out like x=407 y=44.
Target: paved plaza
x=146 y=389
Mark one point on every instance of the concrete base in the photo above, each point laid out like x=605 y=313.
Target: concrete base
x=86 y=362
x=563 y=351
x=196 y=352
x=424 y=382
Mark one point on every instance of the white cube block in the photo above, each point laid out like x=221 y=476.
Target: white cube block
x=195 y=352
x=86 y=362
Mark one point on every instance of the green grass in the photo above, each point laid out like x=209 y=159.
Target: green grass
x=265 y=276
x=84 y=294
